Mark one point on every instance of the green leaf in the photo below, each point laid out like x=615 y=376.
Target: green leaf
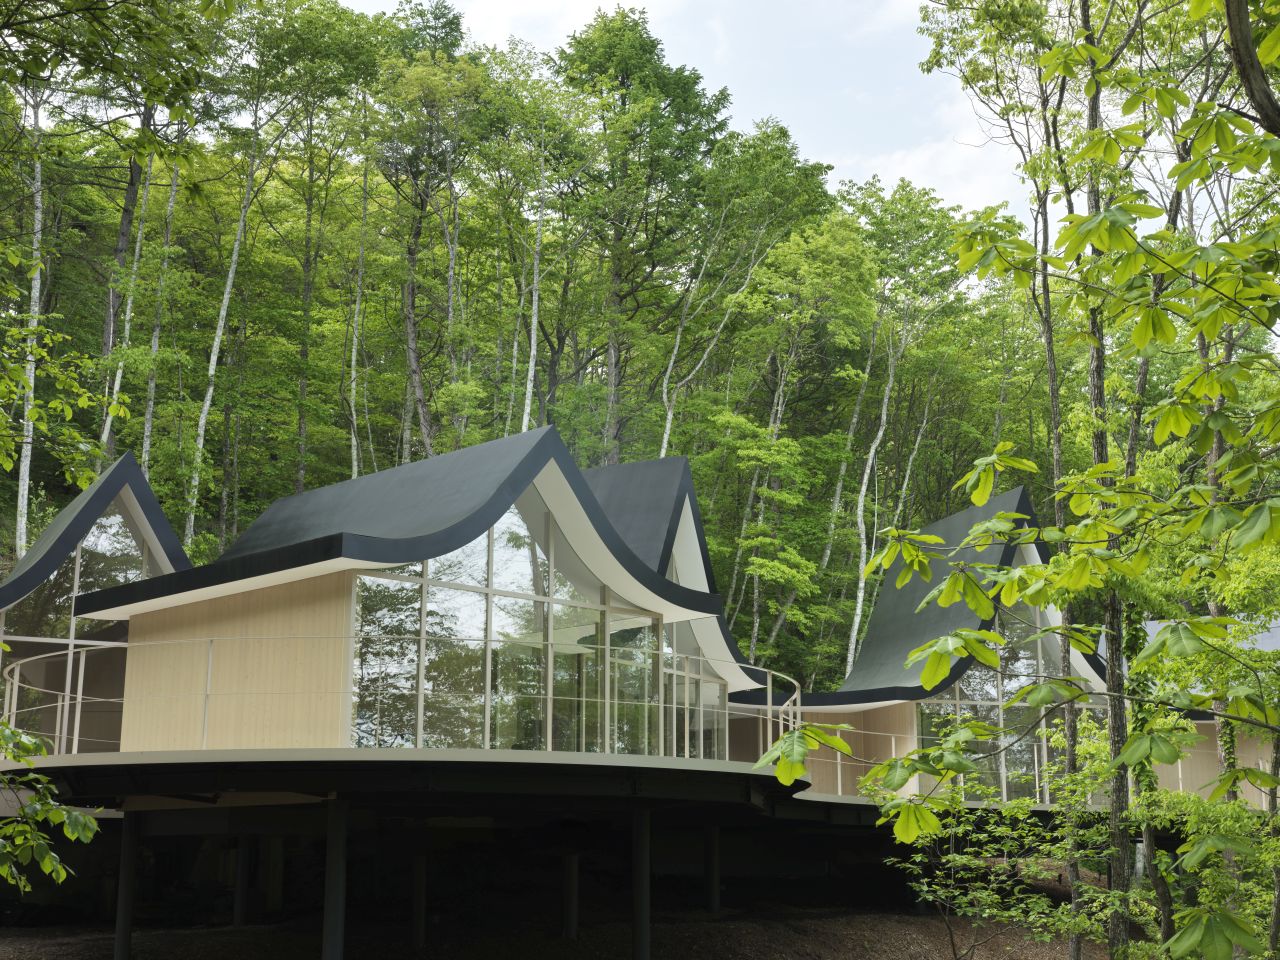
x=1269 y=48
x=936 y=669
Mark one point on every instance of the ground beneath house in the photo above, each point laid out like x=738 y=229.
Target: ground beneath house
x=784 y=934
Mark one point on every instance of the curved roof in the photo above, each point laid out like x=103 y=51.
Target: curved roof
x=896 y=627
x=645 y=500
x=430 y=507
x=58 y=540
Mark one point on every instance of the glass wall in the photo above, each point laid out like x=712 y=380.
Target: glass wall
x=513 y=643
x=69 y=698
x=1015 y=764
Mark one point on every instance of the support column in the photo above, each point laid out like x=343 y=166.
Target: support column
x=419 y=903
x=126 y=885
x=335 y=880
x=271 y=874
x=641 y=828
x=569 y=888
x=711 y=867
x=244 y=878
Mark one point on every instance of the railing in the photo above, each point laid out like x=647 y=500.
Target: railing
x=299 y=692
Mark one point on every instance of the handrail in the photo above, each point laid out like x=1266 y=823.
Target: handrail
x=53 y=705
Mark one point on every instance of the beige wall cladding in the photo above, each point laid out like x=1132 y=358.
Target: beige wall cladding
x=877 y=734
x=1196 y=772
x=274 y=664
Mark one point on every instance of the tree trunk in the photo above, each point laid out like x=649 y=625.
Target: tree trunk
x=353 y=379
x=416 y=387
x=106 y=439
x=33 y=322
x=148 y=419
x=193 y=485
x=304 y=340
x=123 y=232
x=861 y=593
x=534 y=297
x=838 y=496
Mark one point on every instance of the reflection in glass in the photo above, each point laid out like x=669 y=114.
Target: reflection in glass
x=385 y=681
x=634 y=684
x=574 y=580
x=444 y=649
x=468 y=564
x=1017 y=770
x=519 y=682
x=578 y=679
x=110 y=553
x=46 y=610
x=453 y=669
x=519 y=547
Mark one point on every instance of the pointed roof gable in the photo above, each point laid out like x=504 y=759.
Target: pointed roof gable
x=426 y=509
x=123 y=479
x=644 y=501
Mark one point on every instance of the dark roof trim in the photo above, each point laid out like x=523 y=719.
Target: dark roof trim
x=910 y=690
x=76 y=519
x=547 y=449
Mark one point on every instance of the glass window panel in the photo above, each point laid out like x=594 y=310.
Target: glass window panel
x=1020 y=758
x=573 y=579
x=389 y=607
x=468 y=564
x=519 y=547
x=935 y=718
x=110 y=553
x=983 y=752
x=712 y=695
x=519 y=681
x=385 y=691
x=979 y=683
x=36 y=710
x=633 y=632
x=635 y=728
x=578 y=679
x=634 y=683
x=455 y=615
x=46 y=610
x=453 y=722
x=453 y=669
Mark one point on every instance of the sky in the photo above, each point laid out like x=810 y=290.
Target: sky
x=842 y=75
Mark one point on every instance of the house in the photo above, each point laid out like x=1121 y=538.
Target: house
x=487 y=640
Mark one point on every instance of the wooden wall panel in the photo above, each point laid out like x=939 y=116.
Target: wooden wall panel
x=877 y=734
x=281 y=670
x=1199 y=768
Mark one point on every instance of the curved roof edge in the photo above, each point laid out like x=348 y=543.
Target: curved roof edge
x=544 y=450
x=896 y=636
x=74 y=521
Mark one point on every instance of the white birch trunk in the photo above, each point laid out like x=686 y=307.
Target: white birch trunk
x=353 y=378
x=861 y=594
x=193 y=485
x=33 y=321
x=533 y=297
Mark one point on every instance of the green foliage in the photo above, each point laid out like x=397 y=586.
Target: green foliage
x=26 y=845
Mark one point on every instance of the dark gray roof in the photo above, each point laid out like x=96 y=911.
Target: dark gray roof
x=57 y=541
x=414 y=500
x=643 y=501
x=431 y=507
x=895 y=628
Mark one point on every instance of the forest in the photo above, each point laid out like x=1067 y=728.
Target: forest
x=270 y=246
x=321 y=244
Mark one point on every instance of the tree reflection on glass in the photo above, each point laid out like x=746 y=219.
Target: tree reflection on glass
x=385 y=681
